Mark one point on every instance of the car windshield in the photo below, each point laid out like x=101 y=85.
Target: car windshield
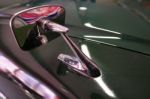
x=121 y=23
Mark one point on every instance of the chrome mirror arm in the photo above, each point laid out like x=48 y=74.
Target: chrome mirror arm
x=91 y=67
x=53 y=26
x=88 y=65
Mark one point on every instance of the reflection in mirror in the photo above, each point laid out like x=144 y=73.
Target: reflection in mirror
x=27 y=31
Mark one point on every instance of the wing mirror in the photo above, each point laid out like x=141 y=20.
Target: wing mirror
x=31 y=28
x=27 y=28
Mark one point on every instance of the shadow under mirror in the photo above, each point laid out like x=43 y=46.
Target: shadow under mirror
x=28 y=33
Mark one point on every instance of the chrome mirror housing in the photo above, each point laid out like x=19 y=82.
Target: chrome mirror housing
x=28 y=32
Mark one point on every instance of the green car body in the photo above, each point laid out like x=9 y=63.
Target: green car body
x=113 y=33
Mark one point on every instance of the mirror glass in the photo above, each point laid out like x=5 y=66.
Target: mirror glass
x=26 y=29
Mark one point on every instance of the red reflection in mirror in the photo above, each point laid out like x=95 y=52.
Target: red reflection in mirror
x=34 y=15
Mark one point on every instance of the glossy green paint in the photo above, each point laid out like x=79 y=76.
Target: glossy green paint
x=125 y=73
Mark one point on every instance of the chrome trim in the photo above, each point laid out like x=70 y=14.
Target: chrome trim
x=13 y=16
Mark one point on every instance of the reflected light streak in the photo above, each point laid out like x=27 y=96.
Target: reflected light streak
x=100 y=42
x=102 y=37
x=7 y=66
x=105 y=88
x=102 y=29
x=85 y=50
x=2 y=96
x=83 y=8
x=98 y=80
